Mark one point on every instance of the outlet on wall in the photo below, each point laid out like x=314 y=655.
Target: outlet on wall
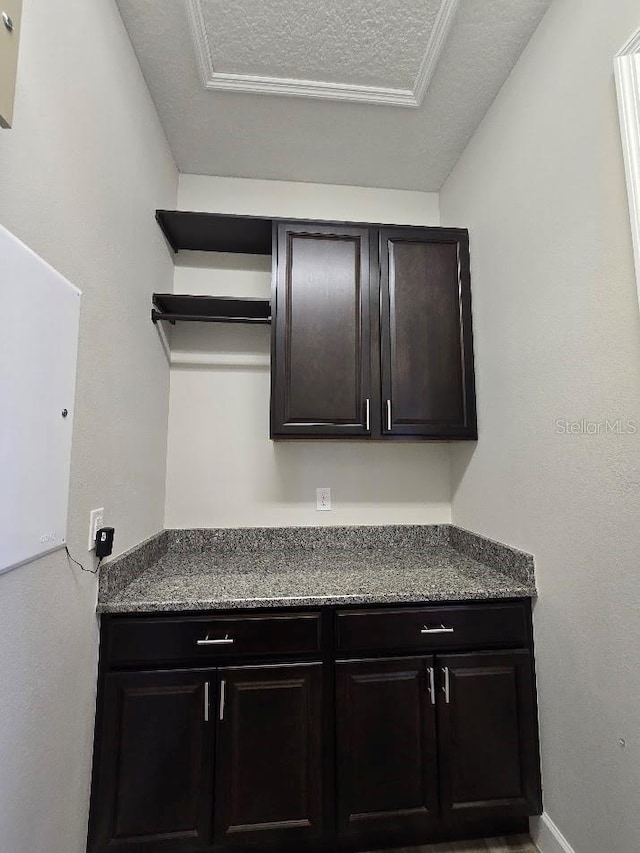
x=323 y=499
x=96 y=521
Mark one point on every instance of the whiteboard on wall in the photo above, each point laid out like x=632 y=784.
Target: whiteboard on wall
x=38 y=353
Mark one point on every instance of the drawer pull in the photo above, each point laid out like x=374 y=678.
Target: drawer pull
x=223 y=685
x=224 y=641
x=442 y=629
x=206 y=701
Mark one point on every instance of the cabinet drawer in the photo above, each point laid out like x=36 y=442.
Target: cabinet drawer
x=431 y=628
x=208 y=638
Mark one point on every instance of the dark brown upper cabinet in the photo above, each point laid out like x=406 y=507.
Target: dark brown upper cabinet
x=321 y=361
x=371 y=333
x=426 y=340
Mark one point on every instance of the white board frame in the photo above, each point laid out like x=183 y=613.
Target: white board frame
x=38 y=359
x=627 y=75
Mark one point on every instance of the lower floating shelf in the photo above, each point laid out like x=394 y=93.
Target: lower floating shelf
x=176 y=307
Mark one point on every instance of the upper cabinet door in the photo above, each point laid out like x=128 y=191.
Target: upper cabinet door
x=321 y=333
x=426 y=340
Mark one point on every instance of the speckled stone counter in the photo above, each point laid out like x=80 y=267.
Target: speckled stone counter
x=182 y=570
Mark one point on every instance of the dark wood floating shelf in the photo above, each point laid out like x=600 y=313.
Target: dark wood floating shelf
x=209 y=309
x=214 y=232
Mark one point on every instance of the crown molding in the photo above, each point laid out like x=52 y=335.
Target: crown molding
x=218 y=81
x=627 y=76
x=310 y=89
x=439 y=36
x=631 y=46
x=200 y=38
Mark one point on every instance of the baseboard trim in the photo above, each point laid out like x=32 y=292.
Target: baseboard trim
x=547 y=837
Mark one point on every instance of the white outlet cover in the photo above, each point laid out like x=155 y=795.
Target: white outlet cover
x=96 y=521
x=323 y=499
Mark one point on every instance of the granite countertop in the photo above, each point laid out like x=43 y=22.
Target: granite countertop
x=220 y=570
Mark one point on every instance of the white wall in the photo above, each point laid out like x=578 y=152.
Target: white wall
x=299 y=200
x=80 y=175
x=557 y=333
x=222 y=470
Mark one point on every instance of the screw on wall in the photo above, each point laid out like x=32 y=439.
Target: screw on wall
x=6 y=20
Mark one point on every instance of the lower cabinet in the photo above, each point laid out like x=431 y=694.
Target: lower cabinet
x=269 y=757
x=256 y=731
x=154 y=772
x=387 y=772
x=448 y=736
x=201 y=747
x=487 y=735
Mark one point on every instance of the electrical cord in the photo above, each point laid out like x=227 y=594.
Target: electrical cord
x=89 y=571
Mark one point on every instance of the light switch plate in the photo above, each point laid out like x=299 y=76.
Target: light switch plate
x=10 y=18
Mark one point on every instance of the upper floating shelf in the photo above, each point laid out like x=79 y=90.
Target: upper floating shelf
x=215 y=232
x=209 y=309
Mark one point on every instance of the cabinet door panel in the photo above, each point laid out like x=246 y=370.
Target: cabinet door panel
x=386 y=751
x=488 y=735
x=154 y=790
x=321 y=369
x=269 y=761
x=427 y=351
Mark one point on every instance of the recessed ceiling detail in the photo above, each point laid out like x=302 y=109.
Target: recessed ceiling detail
x=338 y=50
x=358 y=55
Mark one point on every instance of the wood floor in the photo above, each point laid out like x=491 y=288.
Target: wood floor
x=513 y=844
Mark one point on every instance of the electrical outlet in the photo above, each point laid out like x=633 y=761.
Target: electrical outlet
x=96 y=521
x=323 y=499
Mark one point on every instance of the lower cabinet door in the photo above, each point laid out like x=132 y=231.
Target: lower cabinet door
x=488 y=741
x=269 y=757
x=386 y=748
x=154 y=788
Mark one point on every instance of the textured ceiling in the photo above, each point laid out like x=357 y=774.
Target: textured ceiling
x=335 y=51
x=372 y=45
x=342 y=41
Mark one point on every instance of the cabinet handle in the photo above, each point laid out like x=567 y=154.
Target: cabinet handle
x=206 y=701
x=388 y=415
x=224 y=641
x=442 y=629
x=446 y=685
x=223 y=685
x=432 y=684
x=367 y=415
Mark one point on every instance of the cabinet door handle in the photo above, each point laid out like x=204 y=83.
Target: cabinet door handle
x=223 y=685
x=224 y=641
x=446 y=686
x=388 y=415
x=206 y=701
x=367 y=415
x=432 y=684
x=441 y=629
